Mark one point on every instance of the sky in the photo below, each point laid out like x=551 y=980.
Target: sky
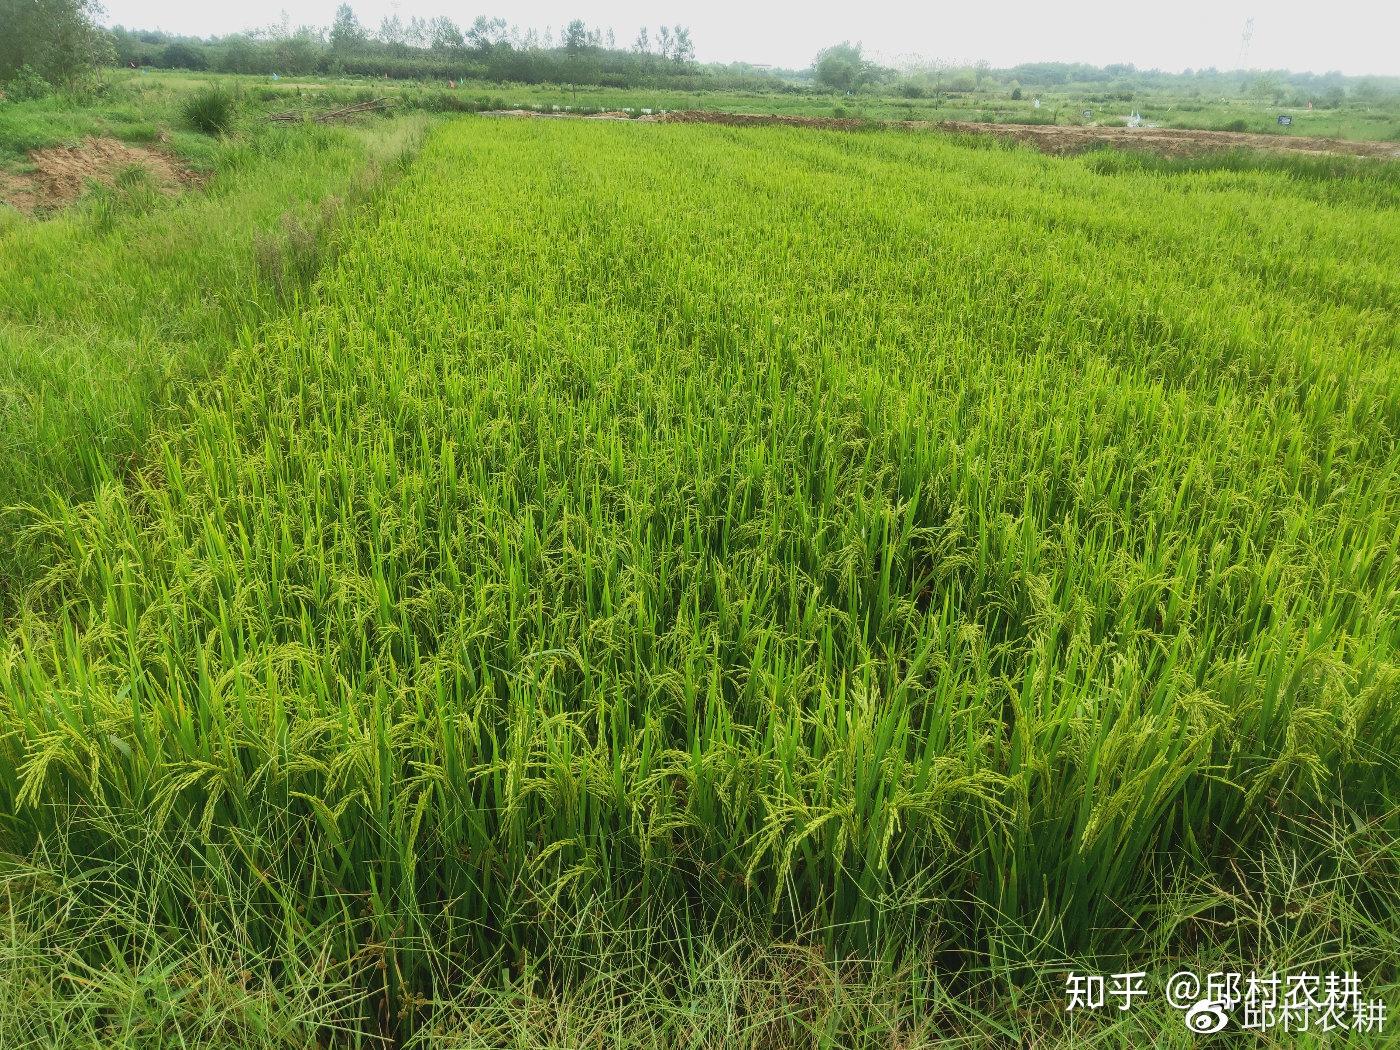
x=1354 y=36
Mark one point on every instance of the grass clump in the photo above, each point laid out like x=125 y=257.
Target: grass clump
x=210 y=111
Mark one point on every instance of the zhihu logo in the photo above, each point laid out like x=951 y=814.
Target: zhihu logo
x=1253 y=1001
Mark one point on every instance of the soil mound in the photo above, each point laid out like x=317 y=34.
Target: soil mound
x=61 y=174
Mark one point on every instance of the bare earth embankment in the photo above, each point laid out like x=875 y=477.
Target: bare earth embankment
x=59 y=175
x=1172 y=141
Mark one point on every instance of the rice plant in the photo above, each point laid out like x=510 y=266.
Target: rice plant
x=650 y=537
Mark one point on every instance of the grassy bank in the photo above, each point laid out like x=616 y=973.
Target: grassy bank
x=775 y=587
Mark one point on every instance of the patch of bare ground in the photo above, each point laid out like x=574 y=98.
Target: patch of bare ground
x=549 y=115
x=1170 y=141
x=1060 y=139
x=59 y=175
x=1049 y=138
x=703 y=116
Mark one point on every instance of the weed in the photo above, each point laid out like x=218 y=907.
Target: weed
x=210 y=111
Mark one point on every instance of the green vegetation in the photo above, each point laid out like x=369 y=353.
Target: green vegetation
x=692 y=585
x=842 y=67
x=140 y=110
x=140 y=105
x=50 y=42
x=54 y=46
x=114 y=308
x=439 y=49
x=210 y=111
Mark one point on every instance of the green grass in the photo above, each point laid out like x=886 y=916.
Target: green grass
x=116 y=307
x=210 y=111
x=738 y=586
x=140 y=105
x=140 y=111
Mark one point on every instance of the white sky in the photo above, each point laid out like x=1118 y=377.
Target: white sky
x=1355 y=36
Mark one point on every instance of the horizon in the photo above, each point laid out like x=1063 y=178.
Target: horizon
x=1357 y=41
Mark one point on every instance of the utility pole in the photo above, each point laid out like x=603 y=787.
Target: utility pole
x=1246 y=38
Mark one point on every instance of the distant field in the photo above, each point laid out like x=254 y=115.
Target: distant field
x=694 y=585
x=142 y=107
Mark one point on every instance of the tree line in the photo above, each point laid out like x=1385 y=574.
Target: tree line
x=45 y=43
x=436 y=48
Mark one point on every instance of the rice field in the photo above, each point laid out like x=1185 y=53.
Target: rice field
x=651 y=537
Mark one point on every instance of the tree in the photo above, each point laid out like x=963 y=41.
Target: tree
x=682 y=50
x=443 y=34
x=182 y=56
x=57 y=39
x=841 y=67
x=1332 y=98
x=642 y=45
x=487 y=33
x=1267 y=87
x=575 y=36
x=416 y=34
x=1368 y=91
x=239 y=54
x=294 y=51
x=347 y=36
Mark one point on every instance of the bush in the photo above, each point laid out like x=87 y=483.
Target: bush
x=210 y=111
x=59 y=39
x=26 y=85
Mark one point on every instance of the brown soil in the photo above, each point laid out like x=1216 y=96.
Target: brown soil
x=61 y=174
x=701 y=116
x=528 y=113
x=1170 y=141
x=1059 y=139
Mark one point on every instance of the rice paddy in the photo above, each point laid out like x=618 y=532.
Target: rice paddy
x=648 y=537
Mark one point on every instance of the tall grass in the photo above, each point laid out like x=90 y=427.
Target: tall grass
x=653 y=537
x=210 y=111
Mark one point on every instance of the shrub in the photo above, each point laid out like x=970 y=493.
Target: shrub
x=210 y=111
x=26 y=85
